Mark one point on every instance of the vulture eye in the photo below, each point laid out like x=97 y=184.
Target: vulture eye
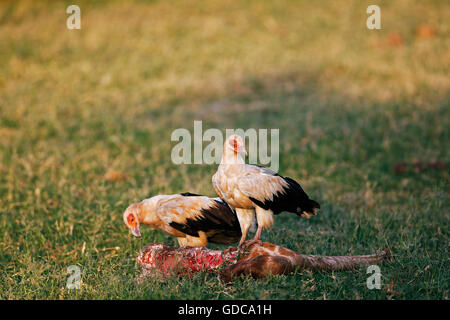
x=234 y=144
x=131 y=218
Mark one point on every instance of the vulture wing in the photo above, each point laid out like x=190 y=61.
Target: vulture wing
x=270 y=191
x=191 y=213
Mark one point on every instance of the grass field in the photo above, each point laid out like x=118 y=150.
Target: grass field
x=86 y=118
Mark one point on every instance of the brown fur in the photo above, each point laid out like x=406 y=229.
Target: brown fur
x=261 y=260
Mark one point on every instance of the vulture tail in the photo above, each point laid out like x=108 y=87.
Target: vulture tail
x=300 y=203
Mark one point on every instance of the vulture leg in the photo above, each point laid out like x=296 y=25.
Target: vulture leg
x=245 y=217
x=244 y=235
x=258 y=234
x=265 y=220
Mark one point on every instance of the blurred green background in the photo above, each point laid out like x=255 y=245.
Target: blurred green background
x=86 y=118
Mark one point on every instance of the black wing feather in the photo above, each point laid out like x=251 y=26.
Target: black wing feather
x=219 y=222
x=188 y=194
x=293 y=199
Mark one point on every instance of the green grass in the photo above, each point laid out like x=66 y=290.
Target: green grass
x=349 y=106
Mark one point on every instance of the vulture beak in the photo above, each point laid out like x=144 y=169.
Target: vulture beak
x=244 y=153
x=136 y=231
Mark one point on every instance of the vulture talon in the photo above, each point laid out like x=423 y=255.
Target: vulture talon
x=249 y=243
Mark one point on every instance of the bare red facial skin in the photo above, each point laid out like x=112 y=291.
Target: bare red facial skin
x=131 y=219
x=235 y=146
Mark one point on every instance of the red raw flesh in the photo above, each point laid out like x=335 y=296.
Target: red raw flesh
x=182 y=260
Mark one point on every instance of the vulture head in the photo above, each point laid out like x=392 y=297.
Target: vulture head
x=131 y=219
x=235 y=144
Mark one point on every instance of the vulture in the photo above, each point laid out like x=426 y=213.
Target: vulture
x=252 y=190
x=193 y=219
